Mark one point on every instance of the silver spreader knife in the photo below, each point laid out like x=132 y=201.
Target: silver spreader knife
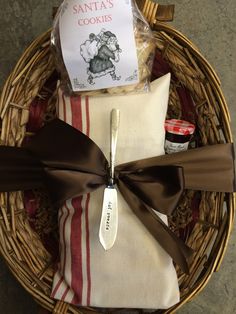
x=109 y=220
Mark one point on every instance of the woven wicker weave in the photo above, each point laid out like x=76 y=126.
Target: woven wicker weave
x=21 y=246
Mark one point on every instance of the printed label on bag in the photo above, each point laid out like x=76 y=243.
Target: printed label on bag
x=98 y=43
x=171 y=147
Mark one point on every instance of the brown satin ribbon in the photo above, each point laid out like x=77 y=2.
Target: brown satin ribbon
x=71 y=164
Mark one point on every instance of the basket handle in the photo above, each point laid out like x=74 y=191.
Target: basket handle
x=154 y=12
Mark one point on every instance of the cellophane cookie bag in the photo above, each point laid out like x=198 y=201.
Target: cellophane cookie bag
x=102 y=47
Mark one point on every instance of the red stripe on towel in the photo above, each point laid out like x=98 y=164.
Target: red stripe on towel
x=57 y=287
x=76 y=112
x=64 y=237
x=76 y=251
x=76 y=225
x=65 y=294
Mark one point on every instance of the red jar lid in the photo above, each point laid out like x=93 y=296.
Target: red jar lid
x=179 y=127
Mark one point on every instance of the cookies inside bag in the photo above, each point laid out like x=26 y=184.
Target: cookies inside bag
x=103 y=49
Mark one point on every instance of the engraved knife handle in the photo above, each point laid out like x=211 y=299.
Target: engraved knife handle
x=115 y=122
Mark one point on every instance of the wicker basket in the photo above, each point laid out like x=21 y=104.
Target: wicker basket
x=22 y=247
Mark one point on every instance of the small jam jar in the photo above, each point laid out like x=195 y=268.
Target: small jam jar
x=178 y=135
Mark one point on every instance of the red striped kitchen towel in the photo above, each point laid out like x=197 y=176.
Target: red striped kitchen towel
x=136 y=272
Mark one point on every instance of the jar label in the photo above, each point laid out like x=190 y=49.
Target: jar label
x=171 y=147
x=98 y=43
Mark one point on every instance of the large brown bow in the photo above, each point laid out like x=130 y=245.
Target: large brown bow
x=71 y=164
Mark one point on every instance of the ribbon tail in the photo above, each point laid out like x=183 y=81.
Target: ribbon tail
x=208 y=168
x=165 y=237
x=19 y=170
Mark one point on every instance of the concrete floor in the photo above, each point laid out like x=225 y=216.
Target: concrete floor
x=211 y=25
